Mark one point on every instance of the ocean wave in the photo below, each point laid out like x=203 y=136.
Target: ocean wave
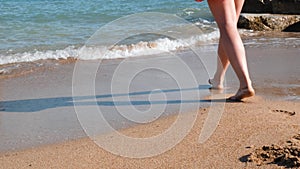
x=111 y=52
x=35 y=55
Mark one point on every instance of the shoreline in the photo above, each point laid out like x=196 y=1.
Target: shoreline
x=54 y=92
x=38 y=120
x=27 y=68
x=263 y=39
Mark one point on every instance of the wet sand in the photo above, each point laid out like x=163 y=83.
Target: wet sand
x=39 y=127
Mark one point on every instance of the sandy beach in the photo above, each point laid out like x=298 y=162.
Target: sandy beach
x=244 y=127
x=39 y=127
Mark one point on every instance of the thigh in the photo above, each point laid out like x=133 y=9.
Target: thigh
x=238 y=7
x=224 y=11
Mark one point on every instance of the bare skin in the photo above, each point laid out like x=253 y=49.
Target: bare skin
x=231 y=49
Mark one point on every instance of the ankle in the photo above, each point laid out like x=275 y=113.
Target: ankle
x=247 y=86
x=217 y=80
x=215 y=84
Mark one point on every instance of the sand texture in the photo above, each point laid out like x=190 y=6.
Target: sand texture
x=39 y=127
x=287 y=155
x=244 y=127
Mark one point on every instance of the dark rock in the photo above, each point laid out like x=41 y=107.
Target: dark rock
x=257 y=6
x=272 y=6
x=248 y=21
x=286 y=6
x=293 y=28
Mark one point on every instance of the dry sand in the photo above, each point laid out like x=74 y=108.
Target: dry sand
x=243 y=128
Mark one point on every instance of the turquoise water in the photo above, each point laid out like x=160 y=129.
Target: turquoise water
x=34 y=27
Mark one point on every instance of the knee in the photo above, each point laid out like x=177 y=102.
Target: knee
x=227 y=26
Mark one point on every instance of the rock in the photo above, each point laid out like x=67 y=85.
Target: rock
x=286 y=6
x=267 y=22
x=249 y=21
x=272 y=6
x=293 y=28
x=257 y=6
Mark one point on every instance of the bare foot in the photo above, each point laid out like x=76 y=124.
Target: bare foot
x=215 y=85
x=242 y=93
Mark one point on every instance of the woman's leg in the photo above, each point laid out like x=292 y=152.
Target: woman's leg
x=225 y=14
x=222 y=60
x=222 y=65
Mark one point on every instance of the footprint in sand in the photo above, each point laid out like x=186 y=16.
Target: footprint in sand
x=286 y=155
x=285 y=112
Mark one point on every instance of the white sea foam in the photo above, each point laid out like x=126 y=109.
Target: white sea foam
x=31 y=56
x=145 y=48
x=106 y=52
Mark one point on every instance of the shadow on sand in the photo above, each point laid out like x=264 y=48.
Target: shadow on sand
x=34 y=105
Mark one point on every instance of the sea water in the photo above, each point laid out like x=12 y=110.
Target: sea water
x=32 y=30
x=40 y=29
